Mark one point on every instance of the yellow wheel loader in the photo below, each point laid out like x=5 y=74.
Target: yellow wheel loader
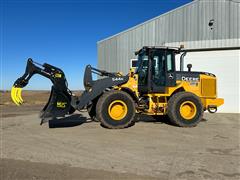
x=153 y=88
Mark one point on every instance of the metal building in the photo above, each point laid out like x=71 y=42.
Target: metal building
x=199 y=24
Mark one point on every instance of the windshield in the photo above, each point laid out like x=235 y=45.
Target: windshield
x=142 y=68
x=142 y=62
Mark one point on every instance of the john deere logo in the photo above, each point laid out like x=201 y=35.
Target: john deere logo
x=61 y=104
x=190 y=79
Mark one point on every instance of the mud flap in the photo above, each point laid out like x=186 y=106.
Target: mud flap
x=58 y=105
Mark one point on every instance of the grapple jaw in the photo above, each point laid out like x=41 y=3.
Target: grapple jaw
x=16 y=95
x=16 y=91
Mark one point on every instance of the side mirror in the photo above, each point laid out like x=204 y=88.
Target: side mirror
x=189 y=66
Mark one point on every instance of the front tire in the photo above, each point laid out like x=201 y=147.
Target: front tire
x=185 y=109
x=115 y=110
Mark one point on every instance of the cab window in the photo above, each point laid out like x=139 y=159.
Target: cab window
x=170 y=62
x=158 y=68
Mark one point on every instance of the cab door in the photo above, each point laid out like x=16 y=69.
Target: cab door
x=162 y=70
x=170 y=69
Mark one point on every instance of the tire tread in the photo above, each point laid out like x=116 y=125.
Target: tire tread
x=171 y=110
x=99 y=108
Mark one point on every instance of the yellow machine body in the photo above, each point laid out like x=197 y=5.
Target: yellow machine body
x=205 y=89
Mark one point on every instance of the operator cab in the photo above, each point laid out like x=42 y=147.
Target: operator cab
x=156 y=69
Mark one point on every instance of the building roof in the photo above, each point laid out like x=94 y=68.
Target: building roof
x=134 y=27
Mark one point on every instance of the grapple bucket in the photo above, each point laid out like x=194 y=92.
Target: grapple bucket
x=59 y=103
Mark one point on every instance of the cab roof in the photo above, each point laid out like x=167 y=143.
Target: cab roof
x=176 y=49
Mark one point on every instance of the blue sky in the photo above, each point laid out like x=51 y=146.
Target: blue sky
x=64 y=33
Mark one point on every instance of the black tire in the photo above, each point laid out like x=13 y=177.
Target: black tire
x=174 y=106
x=92 y=111
x=104 y=103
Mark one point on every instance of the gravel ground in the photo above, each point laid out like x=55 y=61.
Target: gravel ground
x=77 y=148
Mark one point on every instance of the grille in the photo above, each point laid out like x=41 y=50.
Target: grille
x=208 y=87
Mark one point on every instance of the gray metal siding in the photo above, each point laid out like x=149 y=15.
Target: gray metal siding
x=186 y=25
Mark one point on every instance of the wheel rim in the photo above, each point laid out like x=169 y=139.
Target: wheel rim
x=188 y=110
x=117 y=110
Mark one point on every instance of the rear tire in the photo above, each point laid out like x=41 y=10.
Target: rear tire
x=115 y=110
x=185 y=109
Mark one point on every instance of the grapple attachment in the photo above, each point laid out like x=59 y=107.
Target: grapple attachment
x=59 y=103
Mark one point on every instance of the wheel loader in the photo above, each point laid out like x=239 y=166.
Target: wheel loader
x=153 y=88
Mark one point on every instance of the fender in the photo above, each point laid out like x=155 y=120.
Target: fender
x=131 y=93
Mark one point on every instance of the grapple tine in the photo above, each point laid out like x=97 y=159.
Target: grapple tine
x=13 y=96
x=19 y=95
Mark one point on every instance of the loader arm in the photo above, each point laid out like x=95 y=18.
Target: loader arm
x=94 y=88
